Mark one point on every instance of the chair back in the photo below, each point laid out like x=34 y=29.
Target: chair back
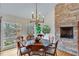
x=56 y=44
x=19 y=45
x=51 y=38
x=19 y=40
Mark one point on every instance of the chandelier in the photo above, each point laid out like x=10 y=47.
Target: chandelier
x=37 y=18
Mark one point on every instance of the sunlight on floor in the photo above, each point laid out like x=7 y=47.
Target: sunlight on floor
x=13 y=52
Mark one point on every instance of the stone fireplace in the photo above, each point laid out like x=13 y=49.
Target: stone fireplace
x=66 y=26
x=66 y=32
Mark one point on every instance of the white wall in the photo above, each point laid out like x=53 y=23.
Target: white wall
x=19 y=10
x=50 y=20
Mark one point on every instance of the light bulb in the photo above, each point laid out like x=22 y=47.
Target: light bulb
x=32 y=15
x=43 y=16
x=32 y=12
x=39 y=13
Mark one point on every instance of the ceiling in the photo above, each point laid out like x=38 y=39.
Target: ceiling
x=25 y=9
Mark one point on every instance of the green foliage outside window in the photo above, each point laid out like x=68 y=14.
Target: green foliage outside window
x=10 y=29
x=8 y=42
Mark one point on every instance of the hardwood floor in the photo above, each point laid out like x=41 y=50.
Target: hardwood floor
x=13 y=52
x=62 y=53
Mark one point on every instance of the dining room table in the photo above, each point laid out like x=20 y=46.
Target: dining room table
x=39 y=46
x=41 y=42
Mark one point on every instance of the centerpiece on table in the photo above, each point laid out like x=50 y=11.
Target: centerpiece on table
x=39 y=37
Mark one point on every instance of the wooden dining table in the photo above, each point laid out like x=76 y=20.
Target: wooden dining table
x=36 y=46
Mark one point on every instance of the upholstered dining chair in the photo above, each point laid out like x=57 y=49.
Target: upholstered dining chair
x=22 y=50
x=52 y=49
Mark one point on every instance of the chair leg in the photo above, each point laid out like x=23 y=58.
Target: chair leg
x=29 y=54
x=45 y=53
x=56 y=54
x=18 y=53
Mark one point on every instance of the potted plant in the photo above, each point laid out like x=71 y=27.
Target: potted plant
x=46 y=29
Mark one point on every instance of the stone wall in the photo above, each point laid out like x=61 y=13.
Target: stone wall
x=67 y=15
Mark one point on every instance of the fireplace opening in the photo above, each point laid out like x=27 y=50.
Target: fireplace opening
x=66 y=32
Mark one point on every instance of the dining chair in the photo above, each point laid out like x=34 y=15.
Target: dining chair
x=52 y=49
x=22 y=50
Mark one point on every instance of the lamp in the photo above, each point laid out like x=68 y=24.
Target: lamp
x=36 y=17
